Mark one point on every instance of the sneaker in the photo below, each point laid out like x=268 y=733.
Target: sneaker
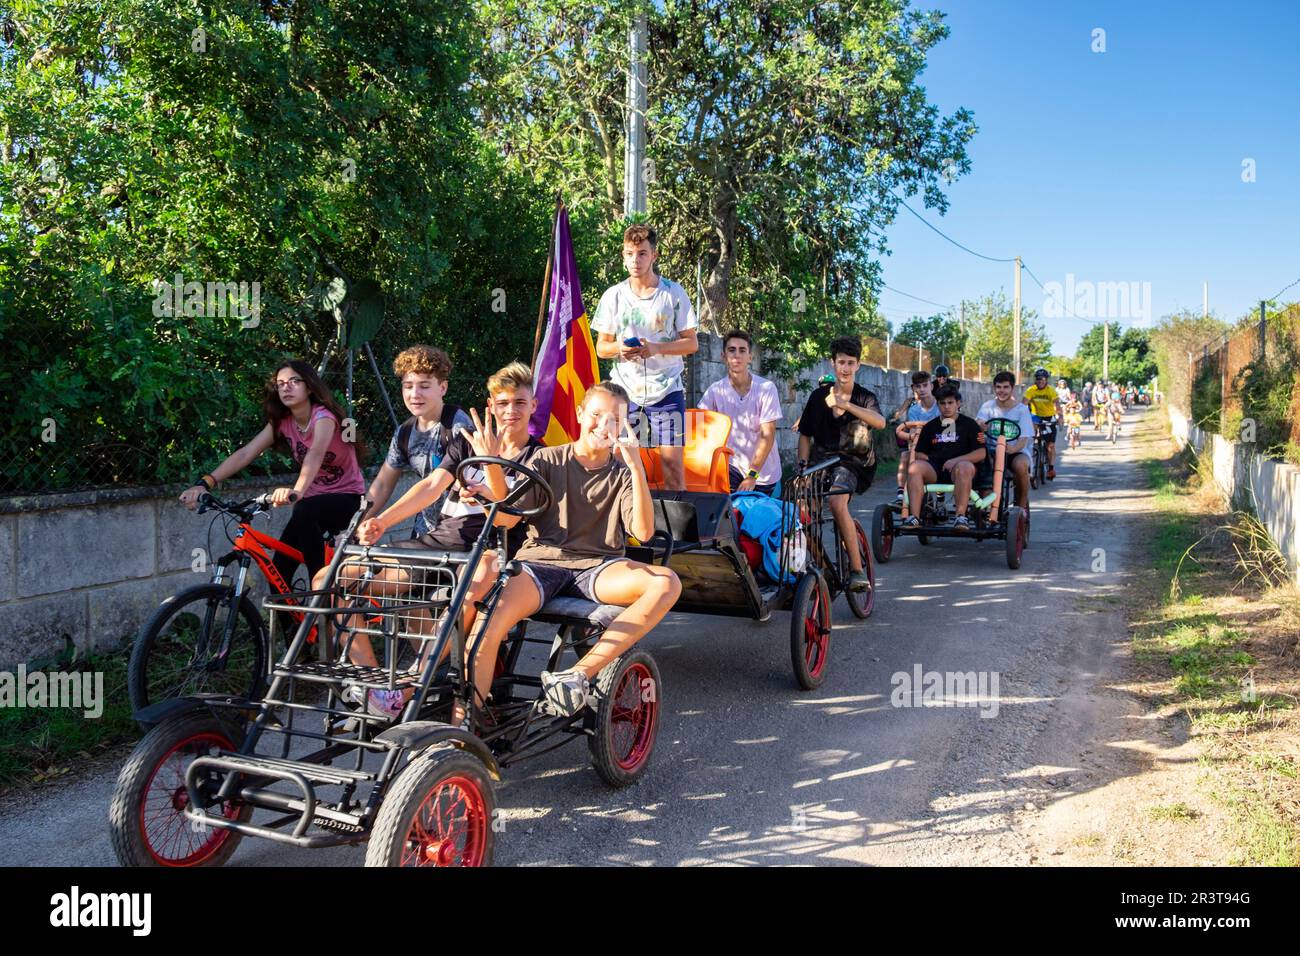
x=1051 y=474
x=961 y=523
x=566 y=692
x=898 y=498
x=910 y=521
x=858 y=581
x=379 y=703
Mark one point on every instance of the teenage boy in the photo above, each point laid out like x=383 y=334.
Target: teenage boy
x=420 y=442
x=837 y=421
x=647 y=324
x=921 y=407
x=1004 y=404
x=578 y=547
x=754 y=407
x=1043 y=405
x=940 y=377
x=949 y=449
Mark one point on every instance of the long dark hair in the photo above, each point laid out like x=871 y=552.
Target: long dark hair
x=319 y=393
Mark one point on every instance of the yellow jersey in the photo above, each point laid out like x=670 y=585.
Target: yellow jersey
x=1042 y=401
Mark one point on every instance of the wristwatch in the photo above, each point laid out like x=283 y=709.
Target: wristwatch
x=752 y=473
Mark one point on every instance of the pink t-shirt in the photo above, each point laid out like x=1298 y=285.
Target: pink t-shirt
x=339 y=471
x=761 y=404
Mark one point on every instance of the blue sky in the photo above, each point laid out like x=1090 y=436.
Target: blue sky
x=1122 y=166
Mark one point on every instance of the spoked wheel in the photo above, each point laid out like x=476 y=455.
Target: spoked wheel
x=439 y=812
x=146 y=815
x=627 y=718
x=1017 y=528
x=178 y=652
x=861 y=603
x=810 y=630
x=882 y=533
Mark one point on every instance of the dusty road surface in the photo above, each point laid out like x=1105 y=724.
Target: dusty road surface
x=750 y=770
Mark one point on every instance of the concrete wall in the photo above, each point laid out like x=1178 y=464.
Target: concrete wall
x=87 y=569
x=891 y=388
x=1271 y=489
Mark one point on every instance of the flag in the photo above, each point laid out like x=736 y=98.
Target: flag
x=566 y=362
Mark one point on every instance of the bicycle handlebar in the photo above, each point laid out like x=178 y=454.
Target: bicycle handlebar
x=243 y=510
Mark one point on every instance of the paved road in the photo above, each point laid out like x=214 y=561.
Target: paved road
x=749 y=770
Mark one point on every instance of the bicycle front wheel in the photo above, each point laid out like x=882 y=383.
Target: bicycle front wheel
x=199 y=641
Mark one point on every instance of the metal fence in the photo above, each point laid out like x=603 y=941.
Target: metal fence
x=894 y=355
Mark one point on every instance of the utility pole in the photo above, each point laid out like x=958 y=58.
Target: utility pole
x=634 y=192
x=1263 y=328
x=1105 y=352
x=889 y=339
x=1205 y=300
x=1016 y=348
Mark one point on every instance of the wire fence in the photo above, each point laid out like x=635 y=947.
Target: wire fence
x=894 y=355
x=1246 y=385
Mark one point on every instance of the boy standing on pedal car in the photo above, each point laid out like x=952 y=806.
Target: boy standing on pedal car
x=420 y=442
x=837 y=421
x=648 y=325
x=949 y=449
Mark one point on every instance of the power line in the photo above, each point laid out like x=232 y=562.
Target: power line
x=1077 y=318
x=1283 y=289
x=917 y=297
x=950 y=239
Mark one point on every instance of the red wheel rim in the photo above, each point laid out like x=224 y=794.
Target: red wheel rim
x=632 y=718
x=167 y=833
x=816 y=633
x=450 y=828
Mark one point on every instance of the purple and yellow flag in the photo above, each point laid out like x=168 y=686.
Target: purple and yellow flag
x=566 y=362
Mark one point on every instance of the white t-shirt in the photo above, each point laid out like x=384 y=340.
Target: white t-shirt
x=1020 y=415
x=761 y=404
x=660 y=317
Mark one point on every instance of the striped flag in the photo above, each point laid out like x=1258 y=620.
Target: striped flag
x=566 y=362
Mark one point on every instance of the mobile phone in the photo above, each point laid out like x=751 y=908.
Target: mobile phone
x=632 y=342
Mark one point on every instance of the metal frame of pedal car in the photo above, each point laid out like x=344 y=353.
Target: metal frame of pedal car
x=989 y=518
x=236 y=780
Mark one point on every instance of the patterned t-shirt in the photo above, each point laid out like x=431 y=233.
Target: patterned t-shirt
x=339 y=472
x=660 y=317
x=426 y=451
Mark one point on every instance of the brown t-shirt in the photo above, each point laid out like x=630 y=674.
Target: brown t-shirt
x=588 y=522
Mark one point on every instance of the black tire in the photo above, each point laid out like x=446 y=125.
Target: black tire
x=1015 y=536
x=440 y=811
x=146 y=818
x=810 y=630
x=163 y=658
x=861 y=603
x=627 y=718
x=882 y=533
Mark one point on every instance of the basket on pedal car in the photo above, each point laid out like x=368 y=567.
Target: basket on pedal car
x=761 y=520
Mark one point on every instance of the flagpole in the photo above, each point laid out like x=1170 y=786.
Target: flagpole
x=546 y=284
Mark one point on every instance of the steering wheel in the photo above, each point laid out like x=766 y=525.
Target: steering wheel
x=529 y=478
x=1007 y=428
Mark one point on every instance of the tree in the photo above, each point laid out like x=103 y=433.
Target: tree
x=1174 y=340
x=943 y=339
x=990 y=327
x=778 y=142
x=1130 y=354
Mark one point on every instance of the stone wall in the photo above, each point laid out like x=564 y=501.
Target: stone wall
x=85 y=570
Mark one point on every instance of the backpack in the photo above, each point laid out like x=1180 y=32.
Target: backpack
x=408 y=427
x=760 y=519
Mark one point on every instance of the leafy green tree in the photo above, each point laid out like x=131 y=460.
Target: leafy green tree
x=941 y=336
x=778 y=141
x=1131 y=359
x=990 y=326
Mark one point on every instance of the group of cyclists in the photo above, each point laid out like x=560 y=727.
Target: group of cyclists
x=646 y=325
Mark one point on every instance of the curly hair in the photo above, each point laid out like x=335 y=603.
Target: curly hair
x=423 y=360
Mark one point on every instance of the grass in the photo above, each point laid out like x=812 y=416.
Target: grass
x=1209 y=628
x=41 y=744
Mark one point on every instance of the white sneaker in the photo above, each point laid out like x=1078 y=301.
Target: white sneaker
x=380 y=703
x=566 y=692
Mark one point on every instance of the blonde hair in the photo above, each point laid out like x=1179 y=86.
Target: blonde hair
x=513 y=377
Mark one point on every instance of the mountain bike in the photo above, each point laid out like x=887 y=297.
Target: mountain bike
x=212 y=637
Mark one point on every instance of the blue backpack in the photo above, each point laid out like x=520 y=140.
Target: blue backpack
x=760 y=518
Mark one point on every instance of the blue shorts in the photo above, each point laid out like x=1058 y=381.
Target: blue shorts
x=661 y=423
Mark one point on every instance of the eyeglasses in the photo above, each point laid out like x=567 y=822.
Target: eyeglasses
x=288 y=383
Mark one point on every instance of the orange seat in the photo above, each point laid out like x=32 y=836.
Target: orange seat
x=706 y=455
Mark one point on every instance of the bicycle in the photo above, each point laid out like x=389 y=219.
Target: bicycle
x=1038 y=474
x=194 y=641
